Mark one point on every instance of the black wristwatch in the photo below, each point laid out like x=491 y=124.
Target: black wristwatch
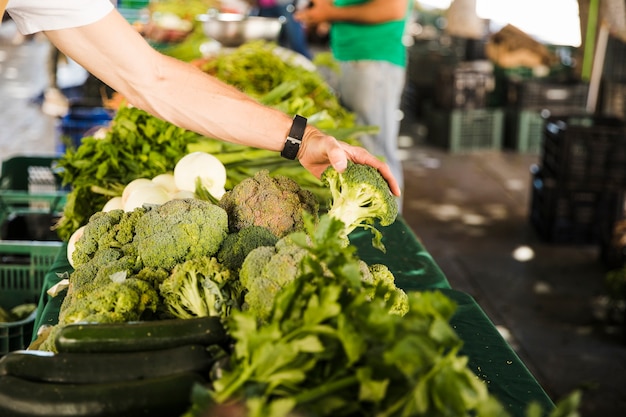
x=294 y=139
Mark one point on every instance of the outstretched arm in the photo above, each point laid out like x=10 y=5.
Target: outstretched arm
x=184 y=95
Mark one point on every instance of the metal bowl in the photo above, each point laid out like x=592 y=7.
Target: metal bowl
x=232 y=29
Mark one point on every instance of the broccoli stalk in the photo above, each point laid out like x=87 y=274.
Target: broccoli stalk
x=360 y=197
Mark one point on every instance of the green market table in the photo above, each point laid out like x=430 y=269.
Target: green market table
x=490 y=356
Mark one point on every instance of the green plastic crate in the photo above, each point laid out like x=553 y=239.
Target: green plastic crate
x=466 y=130
x=524 y=131
x=23 y=266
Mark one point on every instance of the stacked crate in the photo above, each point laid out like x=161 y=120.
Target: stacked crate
x=23 y=266
x=578 y=188
x=530 y=101
x=31 y=198
x=461 y=119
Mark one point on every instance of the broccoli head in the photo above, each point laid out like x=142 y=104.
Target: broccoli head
x=179 y=230
x=87 y=277
x=105 y=230
x=268 y=269
x=238 y=244
x=119 y=300
x=200 y=287
x=98 y=233
x=360 y=196
x=275 y=202
x=382 y=281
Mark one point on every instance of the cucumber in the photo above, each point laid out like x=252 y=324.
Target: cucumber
x=165 y=396
x=91 y=368
x=140 y=336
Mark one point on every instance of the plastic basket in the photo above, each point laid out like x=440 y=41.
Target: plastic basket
x=570 y=215
x=30 y=185
x=23 y=267
x=80 y=120
x=467 y=130
x=462 y=88
x=524 y=131
x=557 y=97
x=585 y=152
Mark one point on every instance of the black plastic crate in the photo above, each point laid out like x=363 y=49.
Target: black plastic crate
x=463 y=88
x=524 y=130
x=567 y=215
x=585 y=152
x=556 y=97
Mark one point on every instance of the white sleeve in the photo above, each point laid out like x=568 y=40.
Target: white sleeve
x=33 y=16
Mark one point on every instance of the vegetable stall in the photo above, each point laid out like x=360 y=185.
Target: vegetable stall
x=200 y=303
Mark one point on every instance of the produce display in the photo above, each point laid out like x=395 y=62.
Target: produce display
x=236 y=288
x=296 y=324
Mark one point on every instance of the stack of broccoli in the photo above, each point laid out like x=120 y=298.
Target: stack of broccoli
x=193 y=258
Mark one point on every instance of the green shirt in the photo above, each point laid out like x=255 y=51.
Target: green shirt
x=362 y=41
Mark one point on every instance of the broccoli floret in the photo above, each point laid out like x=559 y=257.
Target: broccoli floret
x=237 y=245
x=119 y=300
x=98 y=233
x=106 y=230
x=179 y=230
x=153 y=276
x=381 y=278
x=86 y=277
x=360 y=196
x=200 y=287
x=276 y=203
x=266 y=270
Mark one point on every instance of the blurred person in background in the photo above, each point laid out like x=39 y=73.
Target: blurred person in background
x=103 y=42
x=292 y=35
x=366 y=37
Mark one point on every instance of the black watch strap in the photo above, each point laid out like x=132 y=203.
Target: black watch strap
x=294 y=140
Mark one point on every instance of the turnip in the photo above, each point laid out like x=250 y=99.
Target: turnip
x=166 y=181
x=114 y=203
x=132 y=185
x=145 y=194
x=208 y=168
x=182 y=194
x=71 y=243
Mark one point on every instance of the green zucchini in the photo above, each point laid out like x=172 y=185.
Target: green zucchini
x=140 y=336
x=165 y=396
x=91 y=368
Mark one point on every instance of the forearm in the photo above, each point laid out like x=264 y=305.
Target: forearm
x=170 y=89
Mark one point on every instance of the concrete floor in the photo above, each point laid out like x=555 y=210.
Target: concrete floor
x=471 y=212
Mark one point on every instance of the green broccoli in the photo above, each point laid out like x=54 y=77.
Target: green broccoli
x=360 y=196
x=381 y=277
x=87 y=277
x=200 y=287
x=98 y=233
x=120 y=300
x=266 y=270
x=105 y=230
x=275 y=202
x=237 y=245
x=179 y=230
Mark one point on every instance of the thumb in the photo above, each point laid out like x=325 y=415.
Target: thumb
x=338 y=159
